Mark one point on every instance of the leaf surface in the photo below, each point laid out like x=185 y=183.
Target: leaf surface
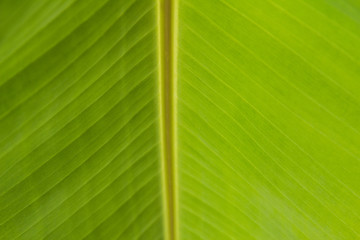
x=268 y=119
x=79 y=142
x=237 y=120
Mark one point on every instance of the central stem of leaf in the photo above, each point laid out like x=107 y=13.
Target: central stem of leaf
x=167 y=56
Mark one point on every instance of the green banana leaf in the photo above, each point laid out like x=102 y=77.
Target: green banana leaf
x=180 y=119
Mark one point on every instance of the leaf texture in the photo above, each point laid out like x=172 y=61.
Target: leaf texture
x=268 y=114
x=79 y=144
x=265 y=131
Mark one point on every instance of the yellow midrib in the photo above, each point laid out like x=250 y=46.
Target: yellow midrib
x=167 y=36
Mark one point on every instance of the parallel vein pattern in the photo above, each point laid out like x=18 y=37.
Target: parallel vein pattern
x=79 y=141
x=269 y=119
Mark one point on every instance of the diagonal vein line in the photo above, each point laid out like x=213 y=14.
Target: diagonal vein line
x=52 y=47
x=205 y=220
x=249 y=217
x=125 y=168
x=134 y=219
x=88 y=86
x=342 y=11
x=318 y=34
x=82 y=55
x=328 y=18
x=41 y=29
x=123 y=171
x=89 y=158
x=257 y=170
x=84 y=132
x=60 y=66
x=283 y=44
x=148 y=181
x=268 y=120
x=273 y=159
x=145 y=228
x=79 y=113
x=211 y=149
x=282 y=77
x=270 y=142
